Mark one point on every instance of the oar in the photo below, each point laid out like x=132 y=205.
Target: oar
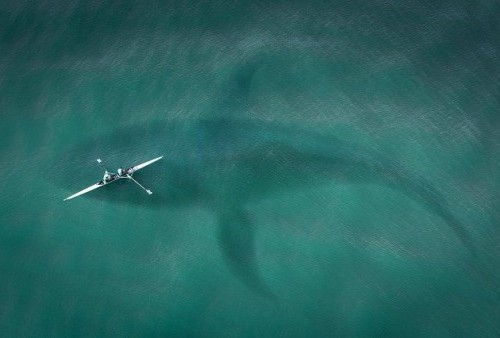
x=102 y=164
x=146 y=190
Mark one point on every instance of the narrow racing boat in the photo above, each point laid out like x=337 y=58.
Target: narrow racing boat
x=112 y=177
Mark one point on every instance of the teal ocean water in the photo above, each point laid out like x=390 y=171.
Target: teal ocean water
x=330 y=168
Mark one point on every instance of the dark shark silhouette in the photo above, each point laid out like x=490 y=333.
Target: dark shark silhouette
x=224 y=163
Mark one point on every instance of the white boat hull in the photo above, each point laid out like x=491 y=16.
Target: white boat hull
x=128 y=174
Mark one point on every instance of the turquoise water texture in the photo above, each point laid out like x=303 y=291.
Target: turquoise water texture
x=330 y=168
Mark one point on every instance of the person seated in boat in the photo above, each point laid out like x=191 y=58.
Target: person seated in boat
x=107 y=177
x=122 y=172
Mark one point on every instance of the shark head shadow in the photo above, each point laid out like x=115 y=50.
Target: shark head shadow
x=222 y=164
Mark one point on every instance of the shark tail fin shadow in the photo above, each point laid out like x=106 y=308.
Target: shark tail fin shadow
x=477 y=264
x=238 y=246
x=373 y=166
x=422 y=191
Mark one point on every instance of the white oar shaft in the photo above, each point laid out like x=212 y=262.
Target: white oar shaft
x=146 y=190
x=102 y=164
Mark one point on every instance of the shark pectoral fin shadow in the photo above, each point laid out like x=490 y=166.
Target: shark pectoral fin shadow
x=236 y=239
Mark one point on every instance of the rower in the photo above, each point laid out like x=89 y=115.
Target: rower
x=107 y=177
x=111 y=177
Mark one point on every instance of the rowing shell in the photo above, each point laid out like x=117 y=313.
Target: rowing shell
x=115 y=177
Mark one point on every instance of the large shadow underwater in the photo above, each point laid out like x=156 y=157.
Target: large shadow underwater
x=222 y=164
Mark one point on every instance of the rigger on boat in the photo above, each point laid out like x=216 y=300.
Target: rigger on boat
x=110 y=177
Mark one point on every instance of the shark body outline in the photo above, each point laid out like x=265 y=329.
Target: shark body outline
x=217 y=163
